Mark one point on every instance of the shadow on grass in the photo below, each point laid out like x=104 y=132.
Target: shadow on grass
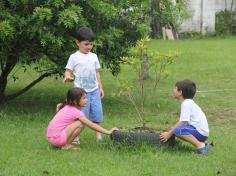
x=138 y=147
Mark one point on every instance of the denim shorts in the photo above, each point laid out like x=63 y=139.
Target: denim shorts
x=93 y=109
x=189 y=130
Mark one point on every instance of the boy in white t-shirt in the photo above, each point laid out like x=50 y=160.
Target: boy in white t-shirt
x=192 y=125
x=83 y=68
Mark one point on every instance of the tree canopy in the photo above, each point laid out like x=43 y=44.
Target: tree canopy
x=168 y=13
x=42 y=32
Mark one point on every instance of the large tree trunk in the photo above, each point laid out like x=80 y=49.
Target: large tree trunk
x=10 y=64
x=6 y=70
x=154 y=22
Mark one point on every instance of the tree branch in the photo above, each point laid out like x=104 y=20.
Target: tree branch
x=14 y=95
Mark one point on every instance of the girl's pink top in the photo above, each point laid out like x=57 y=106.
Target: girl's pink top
x=64 y=117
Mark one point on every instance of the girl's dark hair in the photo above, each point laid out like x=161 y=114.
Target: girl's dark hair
x=73 y=97
x=187 y=87
x=84 y=34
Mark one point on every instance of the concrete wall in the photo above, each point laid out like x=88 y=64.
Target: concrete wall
x=202 y=14
x=193 y=23
x=224 y=4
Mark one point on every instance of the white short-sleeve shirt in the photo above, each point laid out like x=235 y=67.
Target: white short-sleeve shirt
x=192 y=113
x=84 y=67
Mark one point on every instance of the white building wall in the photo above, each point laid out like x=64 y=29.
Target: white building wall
x=224 y=4
x=193 y=22
x=208 y=16
x=202 y=14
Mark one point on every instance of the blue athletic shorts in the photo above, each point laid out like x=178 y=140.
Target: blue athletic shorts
x=93 y=109
x=189 y=130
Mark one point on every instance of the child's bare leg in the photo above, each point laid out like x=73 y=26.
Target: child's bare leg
x=73 y=131
x=191 y=139
x=75 y=134
x=98 y=134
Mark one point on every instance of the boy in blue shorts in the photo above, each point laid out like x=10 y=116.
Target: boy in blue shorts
x=192 y=125
x=83 y=67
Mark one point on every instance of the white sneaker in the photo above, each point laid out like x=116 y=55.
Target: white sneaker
x=76 y=141
x=99 y=137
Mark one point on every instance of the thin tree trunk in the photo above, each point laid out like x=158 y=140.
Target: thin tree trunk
x=232 y=16
x=201 y=17
x=145 y=68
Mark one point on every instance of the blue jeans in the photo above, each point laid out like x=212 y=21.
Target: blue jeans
x=189 y=130
x=93 y=109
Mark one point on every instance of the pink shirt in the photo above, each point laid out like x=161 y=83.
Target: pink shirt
x=64 y=117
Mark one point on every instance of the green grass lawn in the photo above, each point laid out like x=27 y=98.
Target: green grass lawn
x=211 y=63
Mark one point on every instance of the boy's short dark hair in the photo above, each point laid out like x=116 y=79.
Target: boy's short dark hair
x=85 y=34
x=187 y=87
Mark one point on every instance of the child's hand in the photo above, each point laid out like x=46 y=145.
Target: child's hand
x=58 y=106
x=164 y=136
x=113 y=129
x=68 y=76
x=68 y=79
x=101 y=93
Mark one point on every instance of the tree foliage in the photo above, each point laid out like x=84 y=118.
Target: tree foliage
x=225 y=22
x=170 y=13
x=42 y=32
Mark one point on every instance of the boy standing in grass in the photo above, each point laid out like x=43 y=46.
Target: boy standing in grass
x=192 y=125
x=83 y=67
